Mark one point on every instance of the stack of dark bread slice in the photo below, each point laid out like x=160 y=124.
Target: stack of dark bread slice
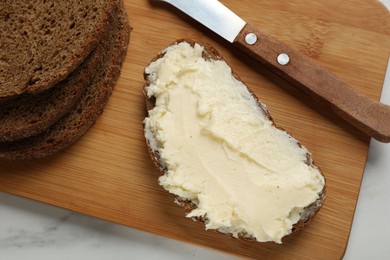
x=59 y=62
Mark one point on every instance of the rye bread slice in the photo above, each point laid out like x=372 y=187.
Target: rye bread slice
x=82 y=116
x=211 y=53
x=30 y=114
x=42 y=42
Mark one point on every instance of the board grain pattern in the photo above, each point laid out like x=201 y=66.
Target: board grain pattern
x=108 y=172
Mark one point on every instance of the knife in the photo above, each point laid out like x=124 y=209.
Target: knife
x=369 y=116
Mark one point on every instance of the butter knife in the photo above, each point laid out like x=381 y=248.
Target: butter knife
x=367 y=115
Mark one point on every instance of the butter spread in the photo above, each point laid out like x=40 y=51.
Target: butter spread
x=244 y=175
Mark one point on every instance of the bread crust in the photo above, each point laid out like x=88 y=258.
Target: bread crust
x=211 y=53
x=82 y=116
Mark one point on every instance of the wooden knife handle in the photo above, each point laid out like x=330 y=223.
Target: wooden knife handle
x=369 y=116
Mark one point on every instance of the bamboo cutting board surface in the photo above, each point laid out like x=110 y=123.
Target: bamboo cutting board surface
x=108 y=172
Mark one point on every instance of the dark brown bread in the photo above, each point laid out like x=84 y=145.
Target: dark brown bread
x=82 y=116
x=42 y=42
x=212 y=53
x=30 y=114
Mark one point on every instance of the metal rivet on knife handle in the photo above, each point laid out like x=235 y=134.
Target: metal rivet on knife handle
x=251 y=38
x=283 y=59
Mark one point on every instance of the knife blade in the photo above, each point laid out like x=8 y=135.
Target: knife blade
x=369 y=116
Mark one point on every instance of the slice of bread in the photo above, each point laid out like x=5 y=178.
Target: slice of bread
x=30 y=114
x=41 y=43
x=82 y=116
x=183 y=163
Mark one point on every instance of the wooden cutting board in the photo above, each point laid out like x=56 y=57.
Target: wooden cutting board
x=108 y=173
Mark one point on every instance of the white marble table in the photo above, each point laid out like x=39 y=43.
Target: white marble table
x=32 y=230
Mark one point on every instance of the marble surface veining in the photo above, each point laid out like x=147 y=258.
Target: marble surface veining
x=39 y=231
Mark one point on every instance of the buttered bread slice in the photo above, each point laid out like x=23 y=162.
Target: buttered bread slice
x=220 y=152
